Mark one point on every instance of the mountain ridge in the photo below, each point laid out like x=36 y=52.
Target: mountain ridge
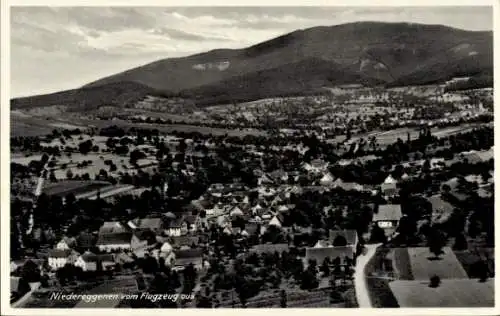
x=367 y=52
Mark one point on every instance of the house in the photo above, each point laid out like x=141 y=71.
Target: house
x=327 y=179
x=176 y=227
x=192 y=222
x=236 y=211
x=264 y=180
x=112 y=228
x=58 y=258
x=85 y=240
x=276 y=221
x=345 y=237
x=388 y=217
x=114 y=241
x=141 y=241
x=389 y=190
x=92 y=262
x=87 y=261
x=184 y=241
x=269 y=248
x=105 y=261
x=345 y=254
x=347 y=186
x=185 y=257
x=279 y=176
x=66 y=243
x=390 y=179
x=153 y=224
x=316 y=166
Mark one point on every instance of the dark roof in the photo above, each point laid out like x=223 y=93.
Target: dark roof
x=105 y=257
x=89 y=257
x=151 y=223
x=271 y=248
x=175 y=223
x=251 y=228
x=119 y=238
x=319 y=254
x=58 y=253
x=349 y=235
x=145 y=234
x=188 y=253
x=179 y=241
x=85 y=240
x=388 y=212
x=113 y=228
x=191 y=219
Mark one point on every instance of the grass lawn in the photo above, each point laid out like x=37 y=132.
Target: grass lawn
x=401 y=262
x=423 y=264
x=450 y=293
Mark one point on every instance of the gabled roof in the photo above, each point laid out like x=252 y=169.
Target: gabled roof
x=388 y=212
x=270 y=248
x=58 y=253
x=112 y=228
x=110 y=239
x=89 y=257
x=319 y=254
x=350 y=235
x=151 y=223
x=179 y=241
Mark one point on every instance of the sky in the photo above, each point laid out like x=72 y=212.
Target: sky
x=59 y=48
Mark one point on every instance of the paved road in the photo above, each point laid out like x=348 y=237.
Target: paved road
x=359 y=276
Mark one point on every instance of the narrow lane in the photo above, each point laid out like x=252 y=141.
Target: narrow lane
x=359 y=276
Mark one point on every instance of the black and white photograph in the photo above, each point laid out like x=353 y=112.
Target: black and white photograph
x=249 y=157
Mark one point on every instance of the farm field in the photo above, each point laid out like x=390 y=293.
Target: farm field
x=29 y=126
x=76 y=187
x=450 y=293
x=423 y=265
x=385 y=138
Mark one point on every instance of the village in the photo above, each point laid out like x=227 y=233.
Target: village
x=292 y=218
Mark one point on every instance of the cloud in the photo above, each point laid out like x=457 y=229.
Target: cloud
x=97 y=41
x=188 y=36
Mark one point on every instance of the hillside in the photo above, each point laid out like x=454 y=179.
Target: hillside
x=120 y=94
x=305 y=60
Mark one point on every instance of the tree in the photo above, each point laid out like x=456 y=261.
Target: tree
x=460 y=242
x=283 y=299
x=189 y=275
x=436 y=242
x=378 y=235
x=30 y=272
x=85 y=147
x=435 y=281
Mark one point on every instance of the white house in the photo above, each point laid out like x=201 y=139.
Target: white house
x=327 y=179
x=87 y=261
x=390 y=179
x=58 y=258
x=66 y=243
